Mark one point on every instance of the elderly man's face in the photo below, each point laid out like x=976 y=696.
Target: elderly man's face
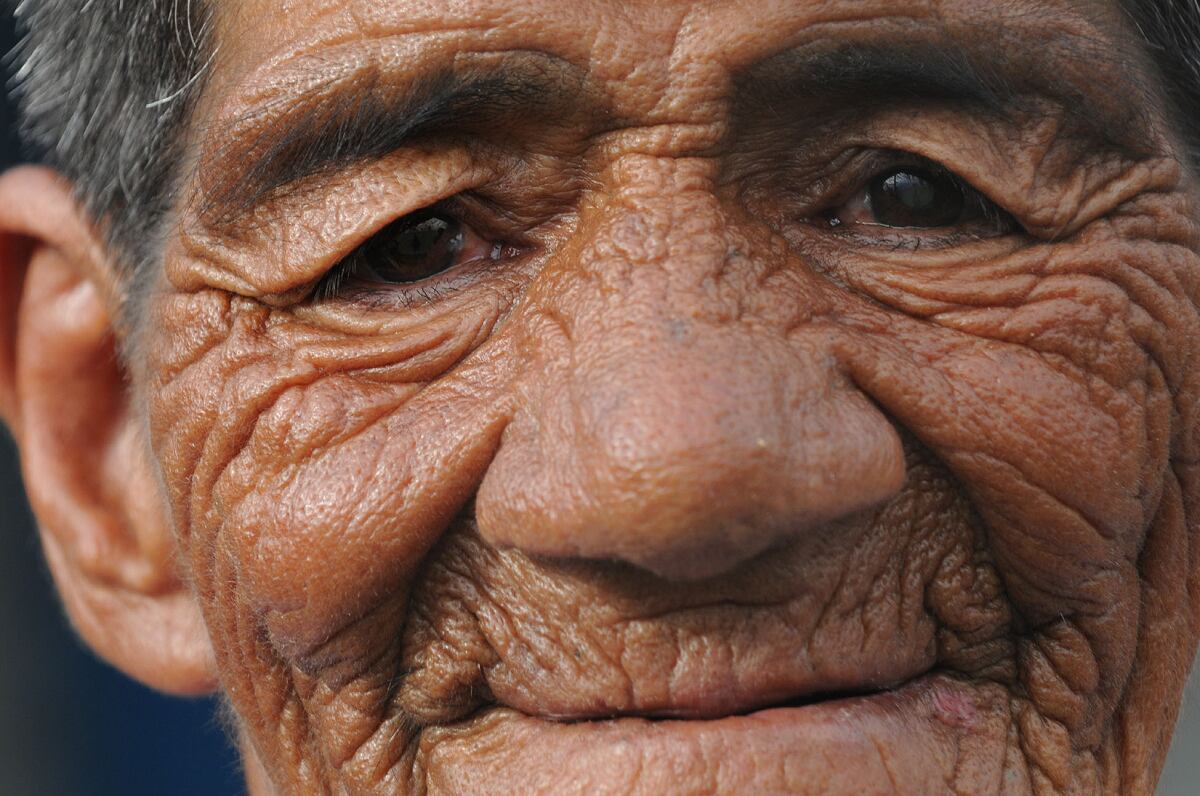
x=691 y=397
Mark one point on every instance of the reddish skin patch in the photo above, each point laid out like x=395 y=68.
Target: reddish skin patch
x=953 y=708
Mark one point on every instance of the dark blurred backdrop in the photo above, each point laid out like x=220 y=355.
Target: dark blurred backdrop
x=69 y=724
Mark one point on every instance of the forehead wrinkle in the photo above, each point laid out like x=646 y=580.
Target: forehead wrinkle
x=343 y=80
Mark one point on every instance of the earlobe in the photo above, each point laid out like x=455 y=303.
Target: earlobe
x=65 y=395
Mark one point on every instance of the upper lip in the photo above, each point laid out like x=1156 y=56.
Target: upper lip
x=705 y=703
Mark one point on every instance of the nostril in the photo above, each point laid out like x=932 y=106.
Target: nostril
x=683 y=446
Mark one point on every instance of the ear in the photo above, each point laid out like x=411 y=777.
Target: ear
x=66 y=398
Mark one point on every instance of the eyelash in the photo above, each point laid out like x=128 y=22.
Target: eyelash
x=879 y=163
x=338 y=282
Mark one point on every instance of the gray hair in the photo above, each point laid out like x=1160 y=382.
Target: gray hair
x=1170 y=31
x=106 y=89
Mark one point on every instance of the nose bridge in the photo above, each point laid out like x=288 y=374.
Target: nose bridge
x=660 y=228
x=656 y=373
x=655 y=422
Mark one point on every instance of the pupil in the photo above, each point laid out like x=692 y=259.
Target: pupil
x=417 y=248
x=916 y=199
x=424 y=238
x=911 y=191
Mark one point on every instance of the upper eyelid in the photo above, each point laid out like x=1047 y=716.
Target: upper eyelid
x=888 y=160
x=362 y=201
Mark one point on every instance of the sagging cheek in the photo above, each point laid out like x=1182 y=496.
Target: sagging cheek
x=308 y=469
x=1046 y=381
x=1051 y=357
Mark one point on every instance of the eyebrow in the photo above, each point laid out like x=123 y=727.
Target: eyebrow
x=1098 y=90
x=359 y=116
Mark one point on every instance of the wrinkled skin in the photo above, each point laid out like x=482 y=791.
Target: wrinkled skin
x=693 y=493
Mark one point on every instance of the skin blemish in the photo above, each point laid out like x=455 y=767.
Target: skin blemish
x=954 y=708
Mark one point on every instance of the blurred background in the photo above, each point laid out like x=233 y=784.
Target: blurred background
x=71 y=725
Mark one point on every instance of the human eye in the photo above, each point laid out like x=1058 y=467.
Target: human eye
x=414 y=259
x=916 y=202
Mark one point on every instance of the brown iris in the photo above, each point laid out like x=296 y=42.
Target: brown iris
x=413 y=248
x=916 y=198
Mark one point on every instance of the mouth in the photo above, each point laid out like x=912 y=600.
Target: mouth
x=767 y=683
x=714 y=705
x=833 y=742
x=703 y=682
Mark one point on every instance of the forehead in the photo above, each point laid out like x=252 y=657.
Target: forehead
x=645 y=47
x=657 y=67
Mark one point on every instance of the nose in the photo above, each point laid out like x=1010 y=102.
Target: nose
x=656 y=422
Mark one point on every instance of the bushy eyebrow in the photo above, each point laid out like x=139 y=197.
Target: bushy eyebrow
x=1095 y=87
x=365 y=115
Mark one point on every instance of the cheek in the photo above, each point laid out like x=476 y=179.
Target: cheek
x=1054 y=386
x=1060 y=464
x=1065 y=364
x=310 y=472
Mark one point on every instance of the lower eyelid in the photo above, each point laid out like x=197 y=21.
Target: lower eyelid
x=880 y=236
x=392 y=297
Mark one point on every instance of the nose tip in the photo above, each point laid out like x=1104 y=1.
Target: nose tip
x=682 y=469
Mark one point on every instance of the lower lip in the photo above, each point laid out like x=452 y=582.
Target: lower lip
x=910 y=739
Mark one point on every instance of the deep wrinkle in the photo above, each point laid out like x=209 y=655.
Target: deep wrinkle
x=363 y=115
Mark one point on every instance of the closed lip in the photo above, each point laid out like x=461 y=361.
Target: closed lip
x=834 y=741
x=707 y=696
x=714 y=706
